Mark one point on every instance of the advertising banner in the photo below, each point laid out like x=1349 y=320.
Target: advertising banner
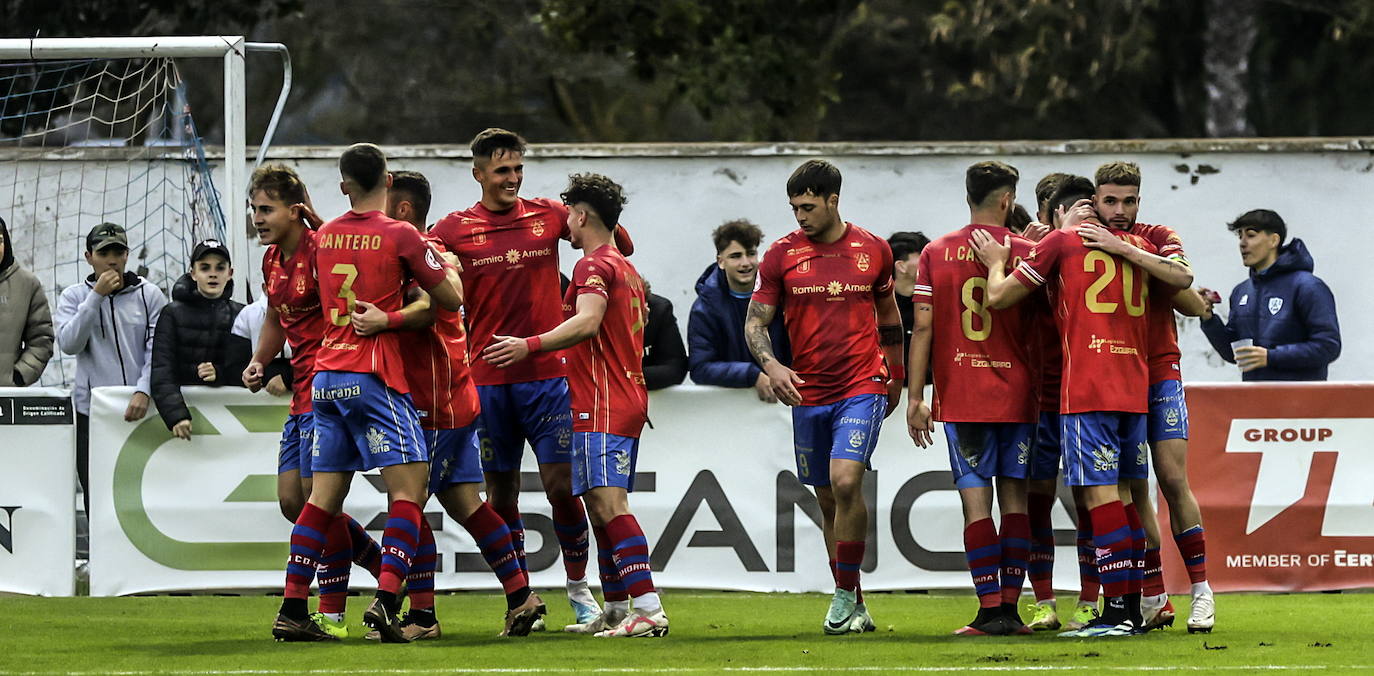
x=37 y=491
x=716 y=493
x=1284 y=473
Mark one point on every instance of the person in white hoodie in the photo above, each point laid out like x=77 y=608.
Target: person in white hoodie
x=107 y=322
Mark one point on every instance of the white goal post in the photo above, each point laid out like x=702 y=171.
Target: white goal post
x=232 y=49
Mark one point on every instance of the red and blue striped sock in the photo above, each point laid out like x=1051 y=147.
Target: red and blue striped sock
x=366 y=552
x=1112 y=540
x=858 y=589
x=399 y=541
x=420 y=579
x=570 y=524
x=1041 y=546
x=308 y=538
x=1137 y=579
x=1015 y=540
x=631 y=554
x=510 y=513
x=1192 y=545
x=849 y=556
x=492 y=536
x=984 y=552
x=1088 y=581
x=336 y=563
x=1154 y=573
x=612 y=587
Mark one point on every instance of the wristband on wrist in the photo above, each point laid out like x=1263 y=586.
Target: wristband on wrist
x=394 y=319
x=534 y=343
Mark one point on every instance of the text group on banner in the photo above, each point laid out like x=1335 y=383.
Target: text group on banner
x=37 y=492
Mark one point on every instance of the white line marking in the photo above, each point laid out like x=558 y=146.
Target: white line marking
x=713 y=669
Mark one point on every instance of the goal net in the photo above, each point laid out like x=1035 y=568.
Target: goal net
x=90 y=141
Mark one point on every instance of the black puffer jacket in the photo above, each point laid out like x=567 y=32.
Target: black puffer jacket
x=191 y=330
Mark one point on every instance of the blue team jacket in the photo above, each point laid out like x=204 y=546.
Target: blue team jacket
x=1286 y=309
x=717 y=353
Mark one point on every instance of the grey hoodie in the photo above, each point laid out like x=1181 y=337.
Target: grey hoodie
x=111 y=336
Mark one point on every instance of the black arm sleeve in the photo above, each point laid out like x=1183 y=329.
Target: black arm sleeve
x=166 y=392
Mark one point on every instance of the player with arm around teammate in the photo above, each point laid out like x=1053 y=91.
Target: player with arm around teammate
x=832 y=281
x=604 y=337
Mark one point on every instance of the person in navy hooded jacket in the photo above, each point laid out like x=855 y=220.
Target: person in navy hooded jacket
x=716 y=351
x=1286 y=310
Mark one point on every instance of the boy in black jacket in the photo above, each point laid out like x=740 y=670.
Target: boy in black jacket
x=194 y=343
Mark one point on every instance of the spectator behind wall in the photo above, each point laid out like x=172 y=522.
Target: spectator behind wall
x=107 y=322
x=906 y=250
x=717 y=353
x=194 y=343
x=26 y=334
x=665 y=359
x=277 y=374
x=1287 y=311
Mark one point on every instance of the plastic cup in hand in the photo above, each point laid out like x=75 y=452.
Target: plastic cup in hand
x=1243 y=342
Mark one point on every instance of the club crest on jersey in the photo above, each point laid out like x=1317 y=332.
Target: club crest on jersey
x=804 y=267
x=537 y=227
x=856 y=438
x=432 y=259
x=300 y=284
x=479 y=236
x=861 y=261
x=1275 y=304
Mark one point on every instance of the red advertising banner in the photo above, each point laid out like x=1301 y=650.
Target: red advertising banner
x=1284 y=473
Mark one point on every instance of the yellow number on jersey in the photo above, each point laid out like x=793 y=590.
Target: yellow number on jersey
x=350 y=273
x=974 y=307
x=1092 y=297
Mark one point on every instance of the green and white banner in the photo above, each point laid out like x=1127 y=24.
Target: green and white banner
x=37 y=491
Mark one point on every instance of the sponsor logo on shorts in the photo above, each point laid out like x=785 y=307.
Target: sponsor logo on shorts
x=1105 y=459
x=376 y=441
x=332 y=393
x=622 y=462
x=850 y=420
x=1142 y=454
x=1023 y=451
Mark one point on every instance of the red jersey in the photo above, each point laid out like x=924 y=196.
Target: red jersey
x=437 y=369
x=510 y=280
x=1100 y=305
x=294 y=293
x=827 y=293
x=1164 y=352
x=368 y=257
x=1050 y=366
x=606 y=372
x=983 y=370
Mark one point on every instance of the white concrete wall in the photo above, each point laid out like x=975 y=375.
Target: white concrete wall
x=678 y=194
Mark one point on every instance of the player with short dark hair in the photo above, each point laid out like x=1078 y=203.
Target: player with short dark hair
x=508 y=250
x=604 y=339
x=984 y=373
x=832 y=281
x=906 y=251
x=285 y=224
x=364 y=418
x=739 y=230
x=1099 y=304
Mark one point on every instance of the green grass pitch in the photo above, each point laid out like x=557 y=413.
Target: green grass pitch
x=711 y=633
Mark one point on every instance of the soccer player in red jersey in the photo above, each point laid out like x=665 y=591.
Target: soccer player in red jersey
x=984 y=394
x=363 y=415
x=434 y=347
x=1118 y=203
x=833 y=282
x=1099 y=305
x=604 y=339
x=285 y=222
x=508 y=249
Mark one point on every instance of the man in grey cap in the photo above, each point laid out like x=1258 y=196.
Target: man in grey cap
x=107 y=321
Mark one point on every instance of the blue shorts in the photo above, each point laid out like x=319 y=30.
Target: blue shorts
x=362 y=424
x=1168 y=411
x=980 y=451
x=538 y=411
x=297 y=440
x=842 y=430
x=1104 y=448
x=601 y=460
x=1044 y=462
x=452 y=457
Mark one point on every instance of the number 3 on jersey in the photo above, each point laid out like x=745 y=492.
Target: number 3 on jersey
x=1093 y=296
x=350 y=273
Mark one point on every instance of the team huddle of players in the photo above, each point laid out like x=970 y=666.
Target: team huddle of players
x=370 y=304
x=1085 y=369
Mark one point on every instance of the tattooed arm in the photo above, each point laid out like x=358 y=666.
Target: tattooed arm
x=784 y=380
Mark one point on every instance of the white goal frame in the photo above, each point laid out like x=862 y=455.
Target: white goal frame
x=232 y=49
